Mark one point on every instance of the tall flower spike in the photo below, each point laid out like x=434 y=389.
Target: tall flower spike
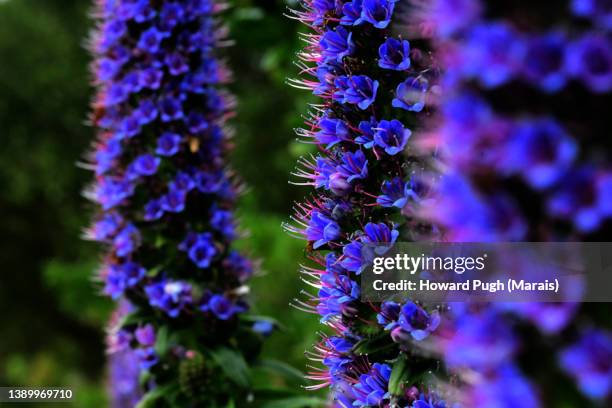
x=166 y=198
x=523 y=163
x=372 y=84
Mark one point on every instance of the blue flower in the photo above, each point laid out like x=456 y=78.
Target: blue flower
x=359 y=90
x=542 y=151
x=222 y=307
x=322 y=229
x=493 y=53
x=590 y=60
x=170 y=296
x=590 y=362
x=173 y=201
x=153 y=210
x=171 y=109
x=391 y=136
x=351 y=13
x=378 y=12
x=410 y=94
x=394 y=54
x=203 y=250
x=223 y=222
x=126 y=241
x=395 y=193
x=332 y=131
x=145 y=165
x=146 y=357
x=372 y=388
x=367 y=129
x=599 y=11
x=415 y=322
x=354 y=166
x=544 y=64
x=335 y=45
x=168 y=144
x=150 y=40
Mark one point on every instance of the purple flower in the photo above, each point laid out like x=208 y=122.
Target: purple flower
x=176 y=63
x=395 y=193
x=544 y=62
x=335 y=45
x=354 y=166
x=542 y=151
x=146 y=357
x=145 y=165
x=372 y=388
x=378 y=12
x=367 y=129
x=493 y=53
x=150 y=40
x=170 y=296
x=598 y=10
x=151 y=78
x=145 y=335
x=203 y=250
x=126 y=241
x=171 y=109
x=589 y=361
x=359 y=90
x=173 y=201
x=107 y=226
x=222 y=307
x=322 y=230
x=351 y=13
x=410 y=94
x=168 y=144
x=391 y=136
x=394 y=54
x=590 y=60
x=332 y=131
x=147 y=112
x=223 y=222
x=153 y=210
x=415 y=322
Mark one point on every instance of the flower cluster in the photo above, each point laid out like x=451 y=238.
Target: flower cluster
x=165 y=193
x=373 y=86
x=520 y=132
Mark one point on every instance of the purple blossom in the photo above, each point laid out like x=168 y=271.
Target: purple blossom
x=336 y=45
x=372 y=387
x=378 y=12
x=394 y=54
x=545 y=61
x=590 y=60
x=332 y=131
x=322 y=230
x=415 y=322
x=168 y=144
x=203 y=250
x=358 y=90
x=395 y=193
x=542 y=151
x=589 y=361
x=150 y=40
x=391 y=136
x=410 y=94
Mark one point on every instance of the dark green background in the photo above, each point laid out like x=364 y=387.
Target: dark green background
x=53 y=317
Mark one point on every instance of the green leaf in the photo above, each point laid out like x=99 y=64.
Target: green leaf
x=296 y=402
x=150 y=399
x=285 y=370
x=399 y=375
x=233 y=365
x=162 y=341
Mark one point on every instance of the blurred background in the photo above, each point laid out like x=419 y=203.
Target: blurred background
x=53 y=316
